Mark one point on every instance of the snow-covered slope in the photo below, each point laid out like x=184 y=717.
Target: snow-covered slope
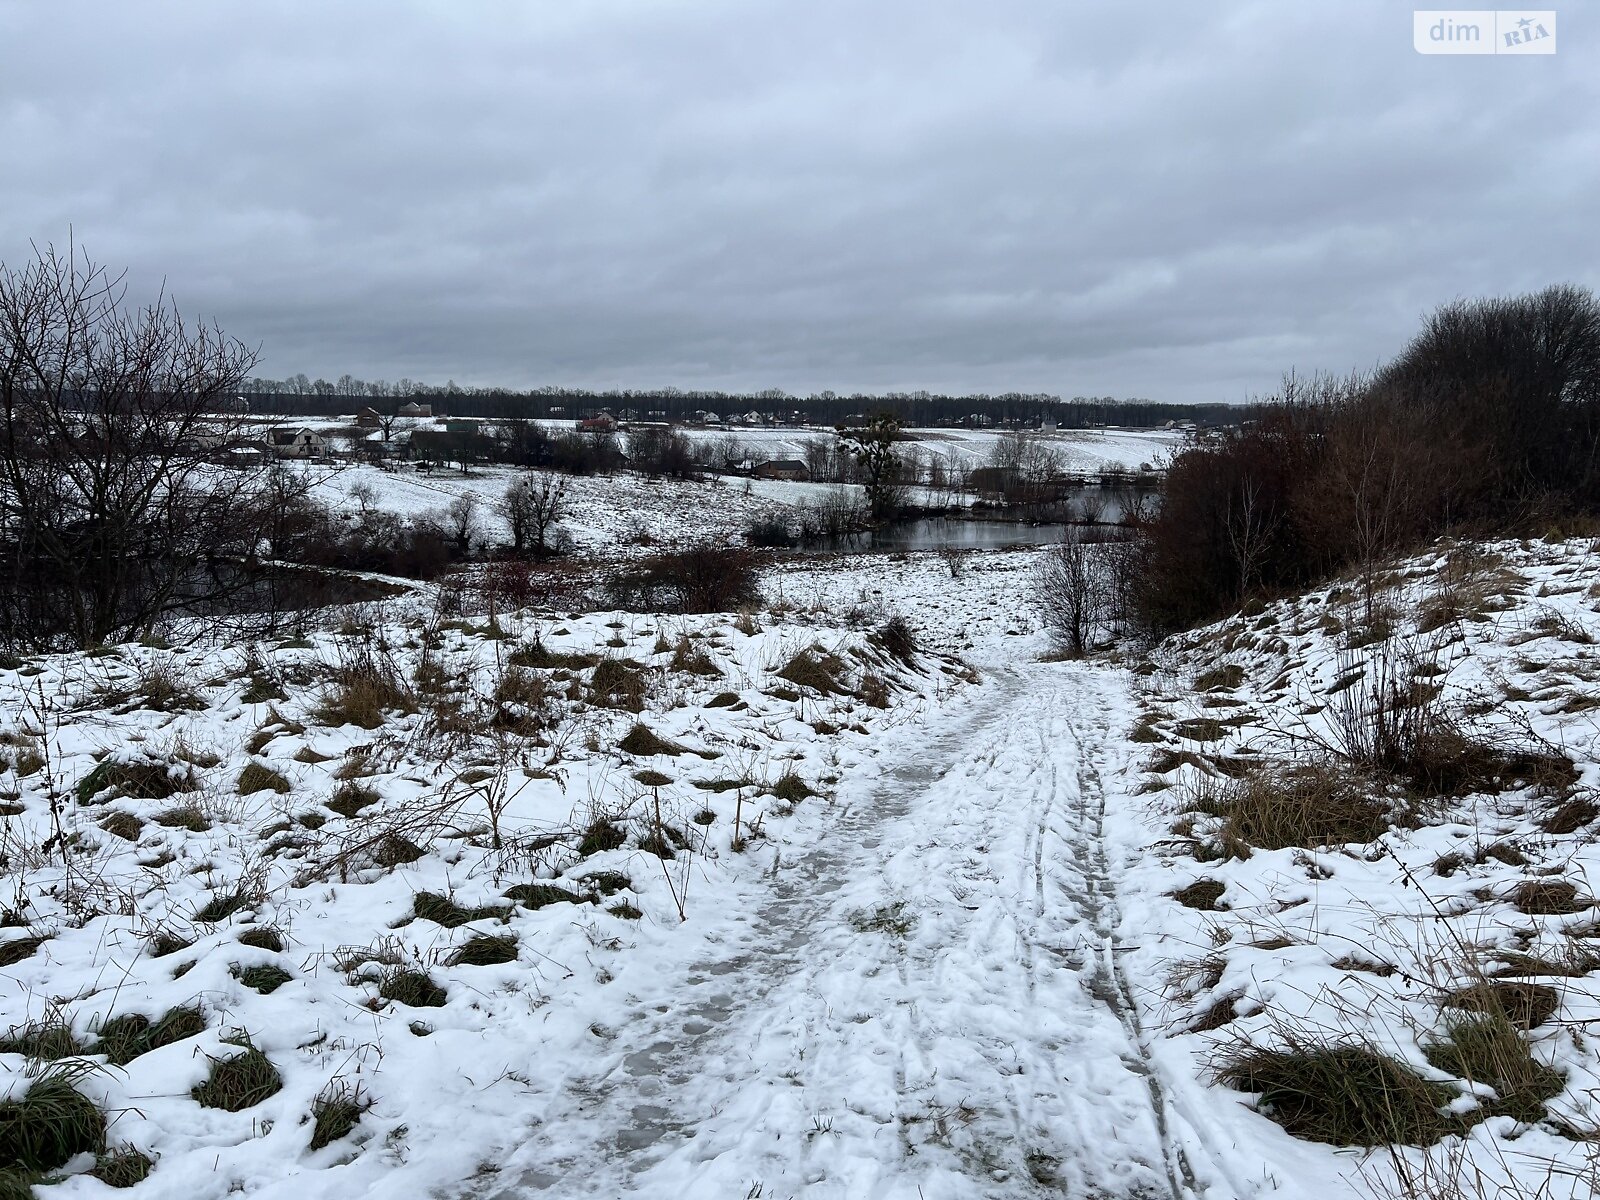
x=419 y=865
x=1421 y=897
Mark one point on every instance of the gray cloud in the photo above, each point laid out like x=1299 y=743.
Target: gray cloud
x=1171 y=200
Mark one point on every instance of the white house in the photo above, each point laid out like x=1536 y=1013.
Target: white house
x=297 y=443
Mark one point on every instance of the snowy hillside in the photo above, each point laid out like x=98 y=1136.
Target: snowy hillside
x=1381 y=836
x=796 y=902
x=419 y=866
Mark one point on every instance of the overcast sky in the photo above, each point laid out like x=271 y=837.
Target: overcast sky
x=1177 y=201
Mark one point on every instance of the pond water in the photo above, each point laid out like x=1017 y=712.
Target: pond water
x=938 y=533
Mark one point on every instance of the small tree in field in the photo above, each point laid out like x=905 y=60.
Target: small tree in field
x=1075 y=588
x=461 y=516
x=534 y=505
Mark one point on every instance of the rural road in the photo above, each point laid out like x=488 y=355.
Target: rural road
x=926 y=1004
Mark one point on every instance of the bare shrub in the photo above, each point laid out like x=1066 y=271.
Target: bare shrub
x=535 y=504
x=701 y=579
x=1075 y=587
x=1398 y=724
x=112 y=518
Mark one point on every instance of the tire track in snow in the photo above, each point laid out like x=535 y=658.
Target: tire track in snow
x=927 y=1005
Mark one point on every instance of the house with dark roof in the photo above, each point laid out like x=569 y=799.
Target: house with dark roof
x=296 y=443
x=791 y=469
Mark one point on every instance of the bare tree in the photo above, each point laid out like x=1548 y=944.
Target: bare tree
x=1249 y=525
x=112 y=515
x=534 y=504
x=461 y=516
x=1075 y=588
x=364 y=494
x=1091 y=506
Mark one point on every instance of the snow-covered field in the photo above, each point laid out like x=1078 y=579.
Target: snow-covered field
x=625 y=514
x=1078 y=449
x=605 y=516
x=766 y=905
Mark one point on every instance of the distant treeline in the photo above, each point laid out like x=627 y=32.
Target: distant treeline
x=319 y=398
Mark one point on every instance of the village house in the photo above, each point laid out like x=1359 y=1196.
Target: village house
x=791 y=469
x=242 y=456
x=296 y=443
x=412 y=409
x=369 y=418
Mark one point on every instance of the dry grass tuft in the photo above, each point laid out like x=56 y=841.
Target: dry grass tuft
x=1521 y=1004
x=1225 y=677
x=411 y=987
x=49 y=1124
x=441 y=910
x=485 y=950
x=642 y=742
x=351 y=797
x=539 y=895
x=1548 y=898
x=257 y=777
x=142 y=779
x=125 y=1038
x=184 y=816
x=599 y=836
x=162 y=687
x=1489 y=1050
x=46 y=1039
x=123 y=825
x=791 y=789
x=691 y=660
x=1305 y=806
x=619 y=684
x=536 y=654
x=896 y=638
x=817 y=669
x=365 y=689
x=262 y=937
x=1571 y=815
x=17 y=949
x=335 y=1112
x=874 y=690
x=223 y=905
x=1344 y=1095
x=124 y=1167
x=265 y=979
x=1202 y=894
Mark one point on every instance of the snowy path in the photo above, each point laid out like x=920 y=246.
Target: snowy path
x=924 y=1002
